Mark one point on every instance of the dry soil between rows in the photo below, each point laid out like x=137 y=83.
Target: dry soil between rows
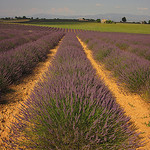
x=20 y=93
x=133 y=105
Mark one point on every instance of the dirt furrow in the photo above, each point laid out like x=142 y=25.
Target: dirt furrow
x=133 y=105
x=19 y=93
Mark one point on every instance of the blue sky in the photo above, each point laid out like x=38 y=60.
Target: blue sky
x=73 y=7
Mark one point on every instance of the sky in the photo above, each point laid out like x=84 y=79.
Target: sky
x=9 y=8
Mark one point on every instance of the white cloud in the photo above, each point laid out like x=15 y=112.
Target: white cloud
x=99 y=5
x=142 y=8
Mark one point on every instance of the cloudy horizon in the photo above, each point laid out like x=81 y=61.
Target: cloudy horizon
x=68 y=7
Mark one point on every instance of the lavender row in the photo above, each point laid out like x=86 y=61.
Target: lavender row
x=24 y=27
x=138 y=49
x=9 y=44
x=134 y=43
x=136 y=39
x=130 y=69
x=14 y=64
x=30 y=28
x=72 y=108
x=15 y=37
x=9 y=33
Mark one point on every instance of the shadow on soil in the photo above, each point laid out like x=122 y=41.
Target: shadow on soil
x=3 y=98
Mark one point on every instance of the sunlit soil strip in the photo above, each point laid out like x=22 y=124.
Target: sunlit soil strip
x=22 y=92
x=132 y=104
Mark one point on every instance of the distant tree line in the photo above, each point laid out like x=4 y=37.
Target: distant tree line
x=16 y=17
x=124 y=20
x=144 y=22
x=24 y=17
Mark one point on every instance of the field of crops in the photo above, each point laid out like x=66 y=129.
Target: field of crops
x=21 y=48
x=127 y=55
x=94 y=26
x=70 y=107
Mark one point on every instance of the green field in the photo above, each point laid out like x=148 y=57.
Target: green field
x=118 y=27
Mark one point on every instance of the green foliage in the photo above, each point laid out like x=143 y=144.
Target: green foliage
x=147 y=124
x=146 y=91
x=124 y=19
x=98 y=20
x=87 y=41
x=72 y=129
x=136 y=80
x=122 y=46
x=144 y=22
x=109 y=21
x=102 y=54
x=24 y=17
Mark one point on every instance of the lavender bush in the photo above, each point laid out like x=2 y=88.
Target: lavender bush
x=72 y=109
x=16 y=36
x=8 y=44
x=130 y=69
x=134 y=43
x=14 y=64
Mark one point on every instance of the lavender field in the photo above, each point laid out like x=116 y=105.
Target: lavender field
x=71 y=107
x=127 y=55
x=21 y=48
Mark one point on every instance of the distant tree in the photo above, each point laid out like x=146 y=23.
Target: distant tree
x=144 y=22
x=109 y=21
x=24 y=17
x=98 y=20
x=19 y=17
x=124 y=19
x=91 y=20
x=7 y=18
x=149 y=22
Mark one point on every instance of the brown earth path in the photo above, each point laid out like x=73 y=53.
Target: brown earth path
x=133 y=105
x=20 y=94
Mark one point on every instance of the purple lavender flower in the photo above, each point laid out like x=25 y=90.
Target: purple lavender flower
x=72 y=108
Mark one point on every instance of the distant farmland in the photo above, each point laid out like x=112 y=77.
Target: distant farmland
x=118 y=27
